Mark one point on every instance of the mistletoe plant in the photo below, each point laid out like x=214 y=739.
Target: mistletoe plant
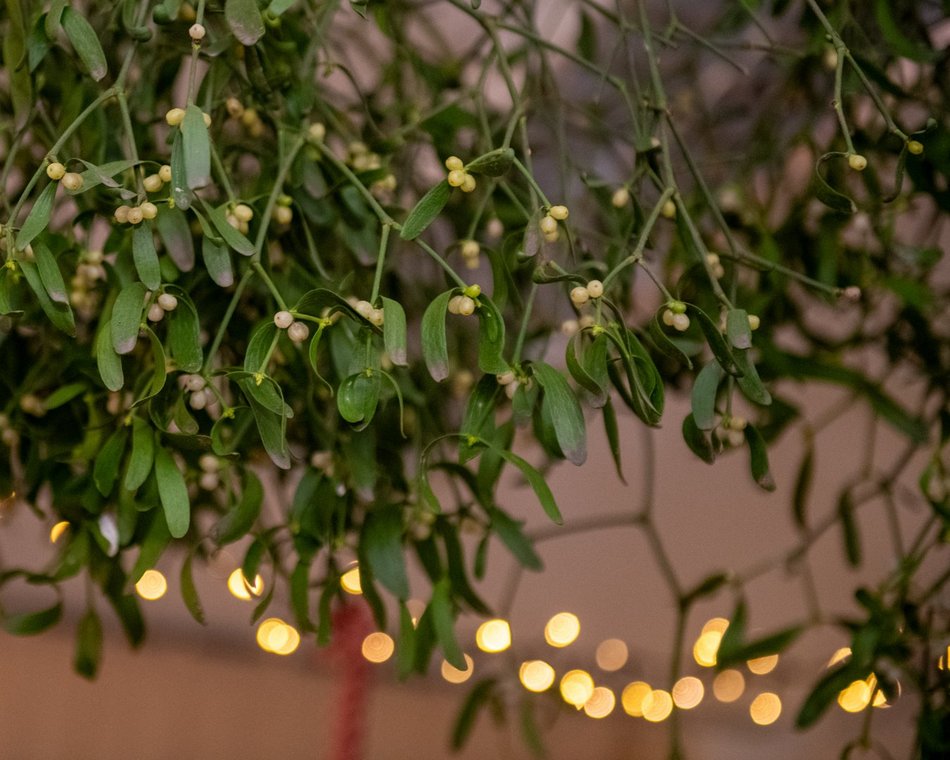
x=269 y=268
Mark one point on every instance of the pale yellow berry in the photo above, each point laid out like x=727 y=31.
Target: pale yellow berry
x=570 y=327
x=454 y=163
x=234 y=107
x=852 y=293
x=595 y=288
x=165 y=173
x=505 y=378
x=152 y=183
x=738 y=423
x=470 y=249
x=197 y=32
x=175 y=117
x=194 y=383
x=620 y=198
x=155 y=313
x=754 y=322
x=135 y=215
x=364 y=309
x=466 y=306
x=232 y=221
x=298 y=332
x=680 y=322
x=586 y=321
x=283 y=214
x=456 y=177
x=579 y=295
x=55 y=171
x=559 y=212
x=668 y=316
x=199 y=401
x=317 y=132
x=548 y=224
x=468 y=184
x=377 y=317
x=915 y=146
x=552 y=237
x=207 y=119
x=857 y=162
x=735 y=437
x=72 y=181
x=453 y=306
x=149 y=210
x=243 y=212
x=283 y=319
x=122 y=214
x=668 y=210
x=209 y=481
x=168 y=302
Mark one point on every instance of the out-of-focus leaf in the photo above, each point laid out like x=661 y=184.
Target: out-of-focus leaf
x=443 y=620
x=565 y=411
x=477 y=698
x=381 y=540
x=88 y=644
x=85 y=42
x=849 y=528
x=245 y=20
x=495 y=163
x=127 y=317
x=425 y=211
x=803 y=485
x=703 y=396
x=189 y=594
x=240 y=518
x=106 y=469
x=173 y=493
x=511 y=534
x=536 y=481
x=759 y=458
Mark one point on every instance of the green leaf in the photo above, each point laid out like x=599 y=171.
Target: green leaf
x=536 y=481
x=102 y=174
x=579 y=371
x=613 y=437
x=59 y=313
x=381 y=540
x=106 y=468
x=825 y=692
x=565 y=412
x=358 y=396
x=426 y=210
x=749 y=381
x=495 y=163
x=491 y=337
x=443 y=620
x=30 y=623
x=759 y=458
x=826 y=193
x=715 y=340
x=14 y=52
x=197 y=148
x=803 y=483
x=172 y=226
x=189 y=594
x=50 y=275
x=152 y=546
x=665 y=345
x=231 y=236
x=901 y=44
x=511 y=534
x=272 y=429
x=238 y=521
x=434 y=346
x=698 y=440
x=477 y=698
x=85 y=42
x=63 y=395
x=184 y=335
x=849 y=528
x=88 y=644
x=108 y=362
x=406 y=642
x=181 y=195
x=394 y=331
x=145 y=256
x=737 y=329
x=127 y=317
x=143 y=455
x=703 y=395
x=245 y=20
x=706 y=587
x=173 y=492
x=218 y=262
x=300 y=594
x=479 y=416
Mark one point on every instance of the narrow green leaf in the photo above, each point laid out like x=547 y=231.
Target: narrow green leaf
x=106 y=468
x=511 y=534
x=495 y=163
x=38 y=218
x=394 y=331
x=434 y=346
x=189 y=594
x=491 y=337
x=88 y=644
x=231 y=236
x=665 y=345
x=715 y=339
x=443 y=620
x=826 y=193
x=238 y=521
x=30 y=623
x=536 y=481
x=425 y=211
x=406 y=643
x=107 y=360
x=127 y=317
x=849 y=528
x=706 y=587
x=152 y=546
x=479 y=416
x=63 y=395
x=173 y=229
x=358 y=396
x=184 y=335
x=825 y=692
x=217 y=261
x=173 y=492
x=749 y=381
x=58 y=313
x=803 y=485
x=381 y=539
x=245 y=20
x=698 y=440
x=272 y=429
x=179 y=184
x=102 y=174
x=612 y=432
x=477 y=698
x=50 y=275
x=565 y=412
x=145 y=256
x=142 y=456
x=703 y=395
x=579 y=372
x=300 y=594
x=737 y=329
x=85 y=42
x=759 y=458
x=197 y=149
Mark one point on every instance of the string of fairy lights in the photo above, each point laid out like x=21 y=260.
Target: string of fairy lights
x=576 y=686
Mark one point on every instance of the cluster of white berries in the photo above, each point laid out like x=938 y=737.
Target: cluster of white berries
x=675 y=316
x=465 y=304
x=361 y=158
x=731 y=430
x=323 y=461
x=201 y=396
x=210 y=466
x=715 y=265
x=165 y=302
x=83 y=295
x=152 y=183
x=175 y=116
x=549 y=222
x=239 y=217
x=247 y=117
x=458 y=177
x=298 y=332
x=571 y=327
x=368 y=312
x=470 y=250
x=510 y=383
x=70 y=180
x=583 y=293
x=283 y=213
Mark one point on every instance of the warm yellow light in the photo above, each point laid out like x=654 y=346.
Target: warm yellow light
x=536 y=675
x=657 y=706
x=453 y=675
x=350 y=581
x=493 y=636
x=601 y=703
x=611 y=655
x=239 y=587
x=577 y=687
x=706 y=648
x=378 y=647
x=57 y=530
x=152 y=585
x=728 y=685
x=859 y=694
x=633 y=696
x=716 y=625
x=562 y=629
x=277 y=637
x=765 y=708
x=944 y=662
x=839 y=655
x=687 y=692
x=762 y=665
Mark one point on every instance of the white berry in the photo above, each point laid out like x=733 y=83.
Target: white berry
x=283 y=319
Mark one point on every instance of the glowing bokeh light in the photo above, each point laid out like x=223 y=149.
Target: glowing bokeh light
x=687 y=692
x=562 y=629
x=633 y=696
x=841 y=654
x=57 y=530
x=728 y=685
x=762 y=665
x=706 y=648
x=657 y=706
x=536 y=675
x=765 y=708
x=577 y=687
x=611 y=655
x=277 y=637
x=240 y=588
x=378 y=647
x=350 y=581
x=601 y=703
x=493 y=636
x=453 y=675
x=152 y=585
x=715 y=625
